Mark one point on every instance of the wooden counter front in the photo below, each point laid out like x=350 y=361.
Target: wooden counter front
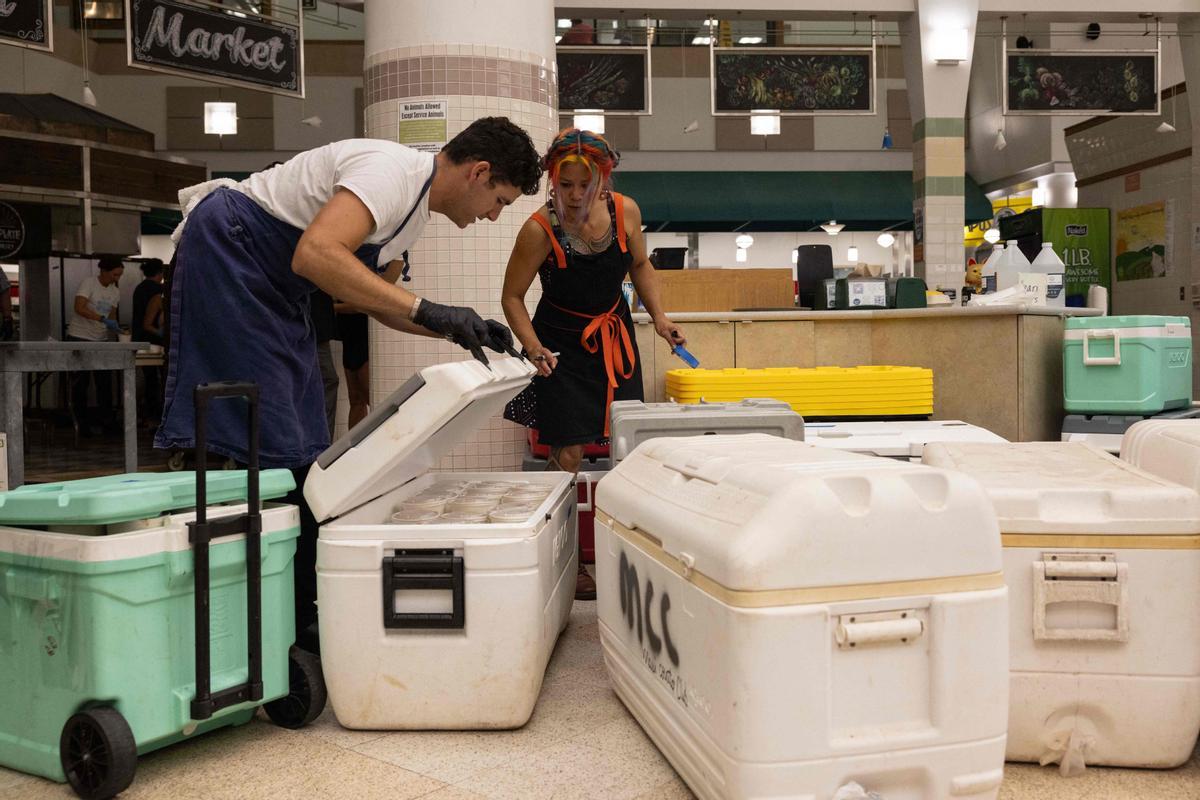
x=724 y=289
x=999 y=368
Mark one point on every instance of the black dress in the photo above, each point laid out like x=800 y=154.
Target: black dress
x=584 y=318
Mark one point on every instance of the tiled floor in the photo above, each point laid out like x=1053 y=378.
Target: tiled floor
x=581 y=744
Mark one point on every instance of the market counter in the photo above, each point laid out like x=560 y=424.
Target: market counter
x=997 y=367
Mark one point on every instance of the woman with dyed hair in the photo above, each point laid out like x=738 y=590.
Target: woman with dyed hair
x=581 y=244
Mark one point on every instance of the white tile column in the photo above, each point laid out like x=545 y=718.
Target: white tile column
x=484 y=59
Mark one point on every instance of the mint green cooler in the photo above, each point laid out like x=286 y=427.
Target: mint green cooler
x=104 y=584
x=1127 y=365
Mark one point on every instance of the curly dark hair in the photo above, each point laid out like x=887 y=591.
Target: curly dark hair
x=503 y=145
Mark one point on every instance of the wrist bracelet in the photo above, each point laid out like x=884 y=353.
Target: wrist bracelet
x=412 y=312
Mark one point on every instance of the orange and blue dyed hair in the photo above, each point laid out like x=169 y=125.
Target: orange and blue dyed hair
x=575 y=146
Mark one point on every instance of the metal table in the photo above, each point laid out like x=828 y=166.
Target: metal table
x=17 y=358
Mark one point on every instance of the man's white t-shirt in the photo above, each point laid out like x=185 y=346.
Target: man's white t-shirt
x=102 y=300
x=387 y=177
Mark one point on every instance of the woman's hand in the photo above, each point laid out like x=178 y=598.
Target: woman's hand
x=669 y=331
x=543 y=359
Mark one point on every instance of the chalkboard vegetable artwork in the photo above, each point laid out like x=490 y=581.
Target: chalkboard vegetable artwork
x=793 y=82
x=1094 y=83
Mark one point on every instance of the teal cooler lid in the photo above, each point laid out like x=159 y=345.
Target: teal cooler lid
x=124 y=498
x=1130 y=321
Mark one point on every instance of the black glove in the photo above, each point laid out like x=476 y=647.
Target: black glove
x=6 y=331
x=500 y=338
x=459 y=324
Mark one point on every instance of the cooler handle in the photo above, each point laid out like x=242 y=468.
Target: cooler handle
x=1102 y=361
x=201 y=532
x=424 y=570
x=1097 y=579
x=589 y=484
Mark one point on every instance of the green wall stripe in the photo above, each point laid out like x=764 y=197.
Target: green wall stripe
x=938 y=126
x=940 y=186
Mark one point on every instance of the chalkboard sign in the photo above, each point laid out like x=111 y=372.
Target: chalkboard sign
x=1081 y=83
x=209 y=44
x=594 y=78
x=26 y=23
x=795 y=81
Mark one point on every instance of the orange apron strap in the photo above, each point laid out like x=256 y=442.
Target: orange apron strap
x=559 y=255
x=619 y=204
x=614 y=346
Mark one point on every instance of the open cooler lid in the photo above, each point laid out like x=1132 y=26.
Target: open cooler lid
x=411 y=431
x=1070 y=488
x=124 y=498
x=905 y=439
x=758 y=513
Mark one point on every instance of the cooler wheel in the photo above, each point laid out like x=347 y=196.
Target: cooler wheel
x=98 y=753
x=306 y=696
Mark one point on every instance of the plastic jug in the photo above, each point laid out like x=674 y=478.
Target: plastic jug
x=1051 y=265
x=989 y=267
x=1010 y=266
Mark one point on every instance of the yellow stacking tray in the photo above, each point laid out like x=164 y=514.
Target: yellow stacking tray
x=879 y=391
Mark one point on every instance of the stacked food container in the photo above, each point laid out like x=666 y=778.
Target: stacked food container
x=819 y=392
x=441 y=593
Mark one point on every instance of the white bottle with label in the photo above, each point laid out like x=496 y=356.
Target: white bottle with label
x=1051 y=265
x=1010 y=266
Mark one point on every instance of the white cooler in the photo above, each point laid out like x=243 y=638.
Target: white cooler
x=902 y=440
x=1167 y=448
x=1103 y=571
x=783 y=620
x=445 y=625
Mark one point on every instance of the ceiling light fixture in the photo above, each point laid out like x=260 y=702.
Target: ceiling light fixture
x=833 y=227
x=852 y=254
x=885 y=239
x=991 y=235
x=750 y=40
x=764 y=122
x=701 y=40
x=220 y=118
x=589 y=119
x=743 y=241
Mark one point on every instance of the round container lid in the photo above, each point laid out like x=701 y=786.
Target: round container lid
x=463 y=517
x=512 y=513
x=473 y=505
x=414 y=516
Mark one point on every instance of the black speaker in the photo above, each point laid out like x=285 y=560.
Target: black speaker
x=814 y=265
x=668 y=257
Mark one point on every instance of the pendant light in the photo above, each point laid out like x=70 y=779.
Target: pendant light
x=89 y=97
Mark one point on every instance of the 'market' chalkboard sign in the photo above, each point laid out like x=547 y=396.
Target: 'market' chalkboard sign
x=180 y=38
x=26 y=23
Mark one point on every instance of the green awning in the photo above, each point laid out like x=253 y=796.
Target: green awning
x=781 y=201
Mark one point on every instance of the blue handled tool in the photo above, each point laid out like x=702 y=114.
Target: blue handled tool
x=687 y=357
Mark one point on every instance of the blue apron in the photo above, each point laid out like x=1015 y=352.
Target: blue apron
x=239 y=313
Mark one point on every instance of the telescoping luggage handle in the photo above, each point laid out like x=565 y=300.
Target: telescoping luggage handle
x=201 y=532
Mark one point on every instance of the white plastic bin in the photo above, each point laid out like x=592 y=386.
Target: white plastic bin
x=783 y=619
x=902 y=440
x=1103 y=571
x=447 y=625
x=633 y=421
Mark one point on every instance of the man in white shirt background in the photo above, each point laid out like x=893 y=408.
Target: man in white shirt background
x=94 y=319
